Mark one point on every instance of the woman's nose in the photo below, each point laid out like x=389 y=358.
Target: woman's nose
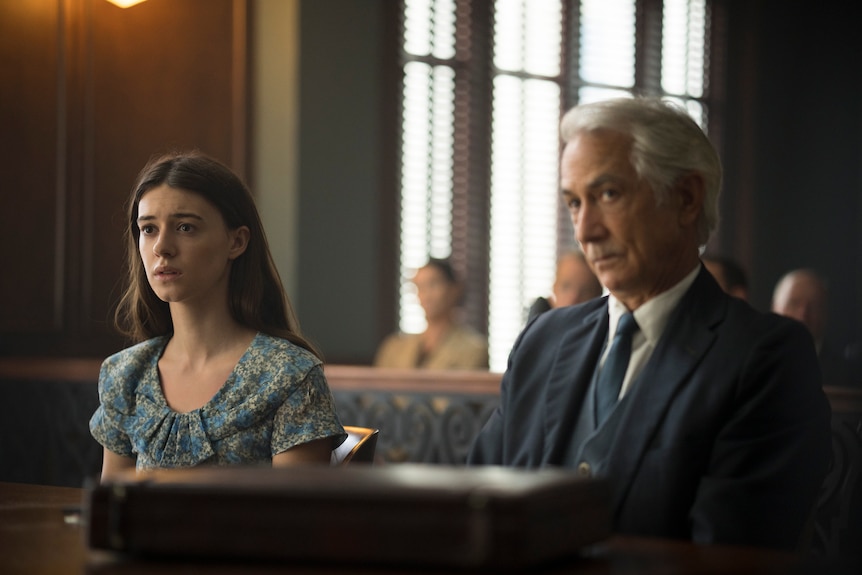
x=163 y=246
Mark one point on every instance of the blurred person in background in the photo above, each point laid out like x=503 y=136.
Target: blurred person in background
x=728 y=273
x=574 y=283
x=446 y=343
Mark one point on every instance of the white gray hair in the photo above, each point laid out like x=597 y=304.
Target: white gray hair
x=666 y=145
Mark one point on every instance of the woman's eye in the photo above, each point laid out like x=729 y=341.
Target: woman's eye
x=146 y=230
x=185 y=227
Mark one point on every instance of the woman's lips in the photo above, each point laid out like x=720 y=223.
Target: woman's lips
x=167 y=273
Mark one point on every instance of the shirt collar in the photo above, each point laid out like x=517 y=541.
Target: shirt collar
x=653 y=315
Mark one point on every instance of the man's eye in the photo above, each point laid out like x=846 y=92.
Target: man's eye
x=574 y=204
x=610 y=194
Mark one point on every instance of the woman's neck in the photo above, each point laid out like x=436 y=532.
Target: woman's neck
x=199 y=337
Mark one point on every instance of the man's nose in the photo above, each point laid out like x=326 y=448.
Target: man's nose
x=588 y=224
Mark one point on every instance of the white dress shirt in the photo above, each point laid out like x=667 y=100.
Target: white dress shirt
x=651 y=318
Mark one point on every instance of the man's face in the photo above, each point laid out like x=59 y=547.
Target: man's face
x=636 y=248
x=802 y=298
x=574 y=282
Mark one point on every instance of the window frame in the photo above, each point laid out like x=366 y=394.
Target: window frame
x=472 y=170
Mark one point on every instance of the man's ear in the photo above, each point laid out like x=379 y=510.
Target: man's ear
x=239 y=242
x=690 y=191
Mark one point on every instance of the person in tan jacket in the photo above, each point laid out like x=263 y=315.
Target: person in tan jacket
x=446 y=343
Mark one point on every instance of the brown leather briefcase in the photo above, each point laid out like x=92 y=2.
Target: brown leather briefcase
x=394 y=514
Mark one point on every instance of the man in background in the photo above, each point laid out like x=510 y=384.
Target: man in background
x=728 y=273
x=802 y=294
x=574 y=283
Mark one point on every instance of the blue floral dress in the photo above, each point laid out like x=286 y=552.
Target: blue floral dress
x=275 y=398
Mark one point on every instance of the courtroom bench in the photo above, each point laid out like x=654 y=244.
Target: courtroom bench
x=423 y=416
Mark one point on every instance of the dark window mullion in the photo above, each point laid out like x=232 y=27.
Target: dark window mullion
x=471 y=185
x=648 y=46
x=569 y=60
x=571 y=53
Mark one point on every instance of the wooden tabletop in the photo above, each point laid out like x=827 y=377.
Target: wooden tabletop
x=41 y=533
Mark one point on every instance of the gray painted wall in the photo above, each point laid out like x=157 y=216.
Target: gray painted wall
x=339 y=176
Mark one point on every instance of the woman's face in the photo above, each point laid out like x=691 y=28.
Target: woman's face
x=186 y=247
x=437 y=295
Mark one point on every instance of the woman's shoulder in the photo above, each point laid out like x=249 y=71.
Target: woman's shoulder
x=464 y=334
x=134 y=358
x=123 y=372
x=270 y=371
x=272 y=353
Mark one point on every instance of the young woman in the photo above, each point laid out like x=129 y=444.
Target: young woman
x=219 y=374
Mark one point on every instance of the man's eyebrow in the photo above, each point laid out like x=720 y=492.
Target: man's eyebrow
x=597 y=182
x=602 y=180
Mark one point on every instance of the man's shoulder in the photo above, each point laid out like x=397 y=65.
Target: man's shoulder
x=555 y=326
x=743 y=316
x=706 y=302
x=563 y=317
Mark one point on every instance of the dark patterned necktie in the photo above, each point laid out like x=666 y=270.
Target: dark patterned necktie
x=614 y=370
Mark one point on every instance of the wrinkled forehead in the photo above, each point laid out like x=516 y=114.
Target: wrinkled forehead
x=594 y=156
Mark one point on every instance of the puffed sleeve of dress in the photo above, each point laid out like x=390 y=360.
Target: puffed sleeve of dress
x=119 y=377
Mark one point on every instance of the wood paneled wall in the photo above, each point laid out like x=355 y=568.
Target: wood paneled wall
x=89 y=93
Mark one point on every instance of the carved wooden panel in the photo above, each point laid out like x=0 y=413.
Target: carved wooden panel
x=418 y=427
x=838 y=519
x=44 y=432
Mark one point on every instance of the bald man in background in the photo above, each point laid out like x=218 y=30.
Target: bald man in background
x=802 y=294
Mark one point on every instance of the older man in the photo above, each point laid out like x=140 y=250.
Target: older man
x=802 y=294
x=706 y=416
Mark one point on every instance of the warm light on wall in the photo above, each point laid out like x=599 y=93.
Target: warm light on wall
x=125 y=3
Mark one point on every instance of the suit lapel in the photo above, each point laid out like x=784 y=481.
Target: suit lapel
x=687 y=337
x=569 y=381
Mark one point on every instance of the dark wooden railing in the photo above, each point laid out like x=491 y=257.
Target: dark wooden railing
x=423 y=416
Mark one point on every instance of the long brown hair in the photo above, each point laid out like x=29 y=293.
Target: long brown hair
x=256 y=294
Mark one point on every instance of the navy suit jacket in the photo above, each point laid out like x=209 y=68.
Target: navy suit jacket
x=724 y=437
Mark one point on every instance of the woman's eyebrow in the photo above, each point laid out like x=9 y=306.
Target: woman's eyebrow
x=176 y=216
